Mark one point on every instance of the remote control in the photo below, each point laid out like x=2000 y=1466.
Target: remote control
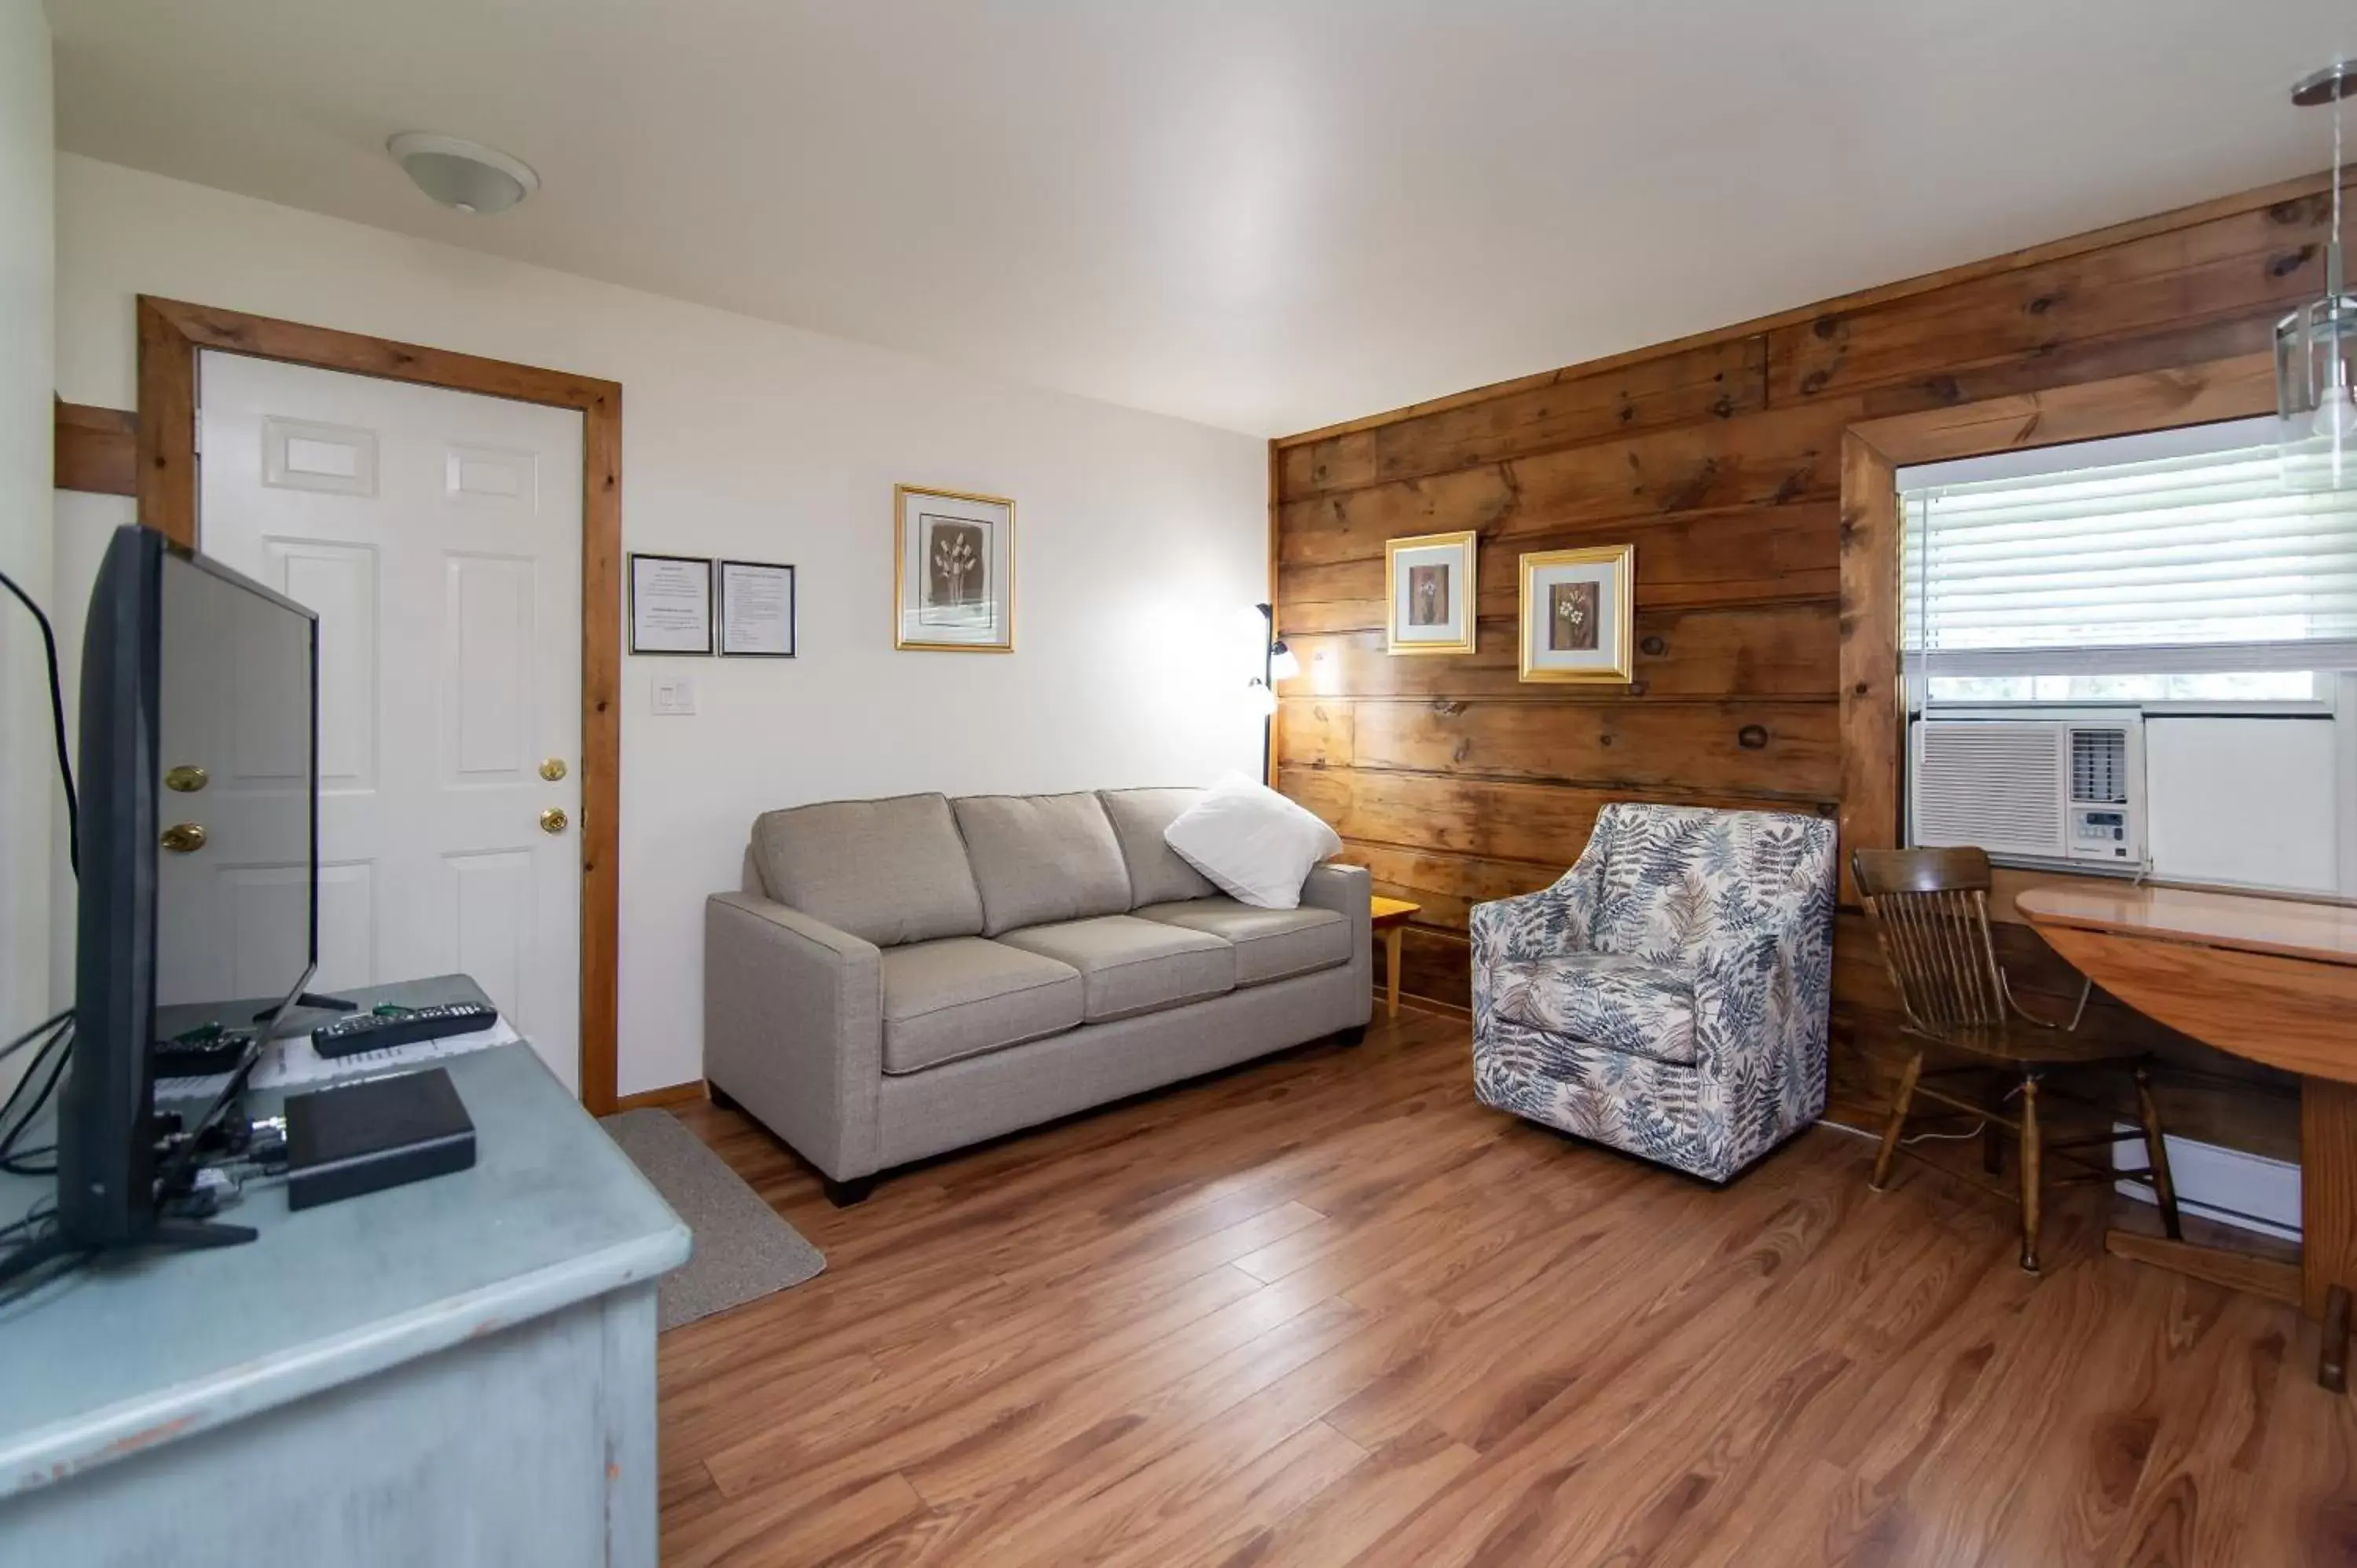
x=201 y=1052
x=376 y=1031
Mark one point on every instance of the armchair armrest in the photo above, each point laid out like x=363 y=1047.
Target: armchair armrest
x=1754 y=987
x=793 y=1027
x=1553 y=920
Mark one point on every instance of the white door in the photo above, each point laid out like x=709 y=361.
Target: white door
x=438 y=534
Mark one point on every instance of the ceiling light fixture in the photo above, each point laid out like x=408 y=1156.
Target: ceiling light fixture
x=464 y=176
x=2315 y=343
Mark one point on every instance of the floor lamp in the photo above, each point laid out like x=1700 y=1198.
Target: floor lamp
x=1276 y=663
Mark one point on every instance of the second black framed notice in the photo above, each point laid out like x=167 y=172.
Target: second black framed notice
x=756 y=600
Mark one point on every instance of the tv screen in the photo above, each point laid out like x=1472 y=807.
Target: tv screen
x=198 y=849
x=235 y=814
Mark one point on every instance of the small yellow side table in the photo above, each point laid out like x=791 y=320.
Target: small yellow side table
x=1389 y=919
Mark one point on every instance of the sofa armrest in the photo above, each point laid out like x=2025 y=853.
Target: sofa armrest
x=793 y=1027
x=1344 y=890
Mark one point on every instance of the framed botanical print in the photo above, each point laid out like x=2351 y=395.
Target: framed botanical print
x=1579 y=614
x=954 y=572
x=1429 y=584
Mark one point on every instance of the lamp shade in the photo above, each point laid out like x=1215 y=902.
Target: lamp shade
x=1263 y=699
x=1283 y=665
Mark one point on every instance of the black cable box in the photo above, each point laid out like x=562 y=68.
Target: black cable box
x=382 y=1132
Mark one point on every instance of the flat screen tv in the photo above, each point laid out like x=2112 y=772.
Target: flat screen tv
x=198 y=846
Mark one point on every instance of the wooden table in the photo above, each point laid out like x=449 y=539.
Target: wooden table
x=2274 y=981
x=1391 y=918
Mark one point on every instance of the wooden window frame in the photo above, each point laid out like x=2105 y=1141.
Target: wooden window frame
x=170 y=333
x=1873 y=720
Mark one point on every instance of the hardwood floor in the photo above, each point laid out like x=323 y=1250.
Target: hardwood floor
x=1329 y=1310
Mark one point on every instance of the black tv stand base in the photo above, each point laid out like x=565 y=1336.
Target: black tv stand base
x=320 y=999
x=180 y=1234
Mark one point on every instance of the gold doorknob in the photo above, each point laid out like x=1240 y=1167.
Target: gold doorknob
x=187 y=780
x=551 y=821
x=553 y=769
x=184 y=838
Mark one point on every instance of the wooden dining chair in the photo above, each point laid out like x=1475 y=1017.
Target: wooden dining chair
x=1929 y=908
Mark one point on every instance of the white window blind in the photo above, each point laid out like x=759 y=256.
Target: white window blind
x=2188 y=563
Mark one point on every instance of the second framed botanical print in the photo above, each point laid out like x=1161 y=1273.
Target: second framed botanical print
x=1579 y=614
x=954 y=572
x=1428 y=587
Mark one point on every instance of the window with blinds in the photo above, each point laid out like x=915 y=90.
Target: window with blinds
x=2188 y=574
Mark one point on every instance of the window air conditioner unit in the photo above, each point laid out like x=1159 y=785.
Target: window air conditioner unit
x=2060 y=791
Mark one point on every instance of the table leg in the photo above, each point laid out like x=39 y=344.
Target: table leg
x=2328 y=1203
x=1390 y=971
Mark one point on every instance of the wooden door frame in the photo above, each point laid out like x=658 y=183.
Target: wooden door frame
x=170 y=333
x=1873 y=717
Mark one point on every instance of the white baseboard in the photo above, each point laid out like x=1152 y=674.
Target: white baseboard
x=2249 y=1191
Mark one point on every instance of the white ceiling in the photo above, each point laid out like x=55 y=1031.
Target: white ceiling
x=1262 y=214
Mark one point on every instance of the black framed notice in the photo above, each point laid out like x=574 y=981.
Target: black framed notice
x=670 y=604
x=756 y=610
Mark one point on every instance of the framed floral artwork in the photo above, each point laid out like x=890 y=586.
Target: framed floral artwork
x=1579 y=617
x=1429 y=584
x=953 y=571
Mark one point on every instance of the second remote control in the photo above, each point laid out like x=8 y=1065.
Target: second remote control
x=378 y=1031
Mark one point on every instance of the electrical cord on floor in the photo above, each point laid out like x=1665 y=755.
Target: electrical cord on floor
x=1975 y=1131
x=57 y=722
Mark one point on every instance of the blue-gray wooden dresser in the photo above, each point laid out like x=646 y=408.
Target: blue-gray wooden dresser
x=459 y=1371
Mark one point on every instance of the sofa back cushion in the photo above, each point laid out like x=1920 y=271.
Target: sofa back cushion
x=1040 y=858
x=887 y=871
x=1156 y=874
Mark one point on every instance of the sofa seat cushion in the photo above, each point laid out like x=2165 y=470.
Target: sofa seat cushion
x=1130 y=966
x=1271 y=944
x=886 y=871
x=963 y=995
x=1602 y=999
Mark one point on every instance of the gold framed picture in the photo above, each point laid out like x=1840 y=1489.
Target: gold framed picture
x=1429 y=587
x=1579 y=614
x=952 y=571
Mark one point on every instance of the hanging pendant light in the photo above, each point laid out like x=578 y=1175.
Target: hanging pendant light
x=2314 y=345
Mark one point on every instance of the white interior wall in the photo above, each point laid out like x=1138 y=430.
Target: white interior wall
x=27 y=767
x=1142 y=539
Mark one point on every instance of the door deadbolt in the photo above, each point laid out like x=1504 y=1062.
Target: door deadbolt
x=553 y=769
x=184 y=838
x=554 y=820
x=186 y=779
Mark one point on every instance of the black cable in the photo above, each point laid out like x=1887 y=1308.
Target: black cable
x=55 y=1032
x=57 y=720
x=48 y=1086
x=27 y=1038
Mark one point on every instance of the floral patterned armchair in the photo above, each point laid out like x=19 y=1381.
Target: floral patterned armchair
x=1669 y=995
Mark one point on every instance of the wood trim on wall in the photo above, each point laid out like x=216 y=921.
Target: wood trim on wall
x=170 y=333
x=670 y=1094
x=97 y=449
x=1873 y=725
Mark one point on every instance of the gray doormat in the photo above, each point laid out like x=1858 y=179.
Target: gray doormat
x=743 y=1251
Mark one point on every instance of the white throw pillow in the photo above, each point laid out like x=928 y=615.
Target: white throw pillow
x=1257 y=844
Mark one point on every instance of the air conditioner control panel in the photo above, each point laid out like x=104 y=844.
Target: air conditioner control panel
x=2098 y=832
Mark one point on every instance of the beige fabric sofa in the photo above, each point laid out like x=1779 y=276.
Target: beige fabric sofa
x=899 y=978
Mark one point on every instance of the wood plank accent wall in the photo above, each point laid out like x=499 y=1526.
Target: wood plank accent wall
x=1721 y=458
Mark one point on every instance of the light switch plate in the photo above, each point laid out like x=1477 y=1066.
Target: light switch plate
x=673 y=696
